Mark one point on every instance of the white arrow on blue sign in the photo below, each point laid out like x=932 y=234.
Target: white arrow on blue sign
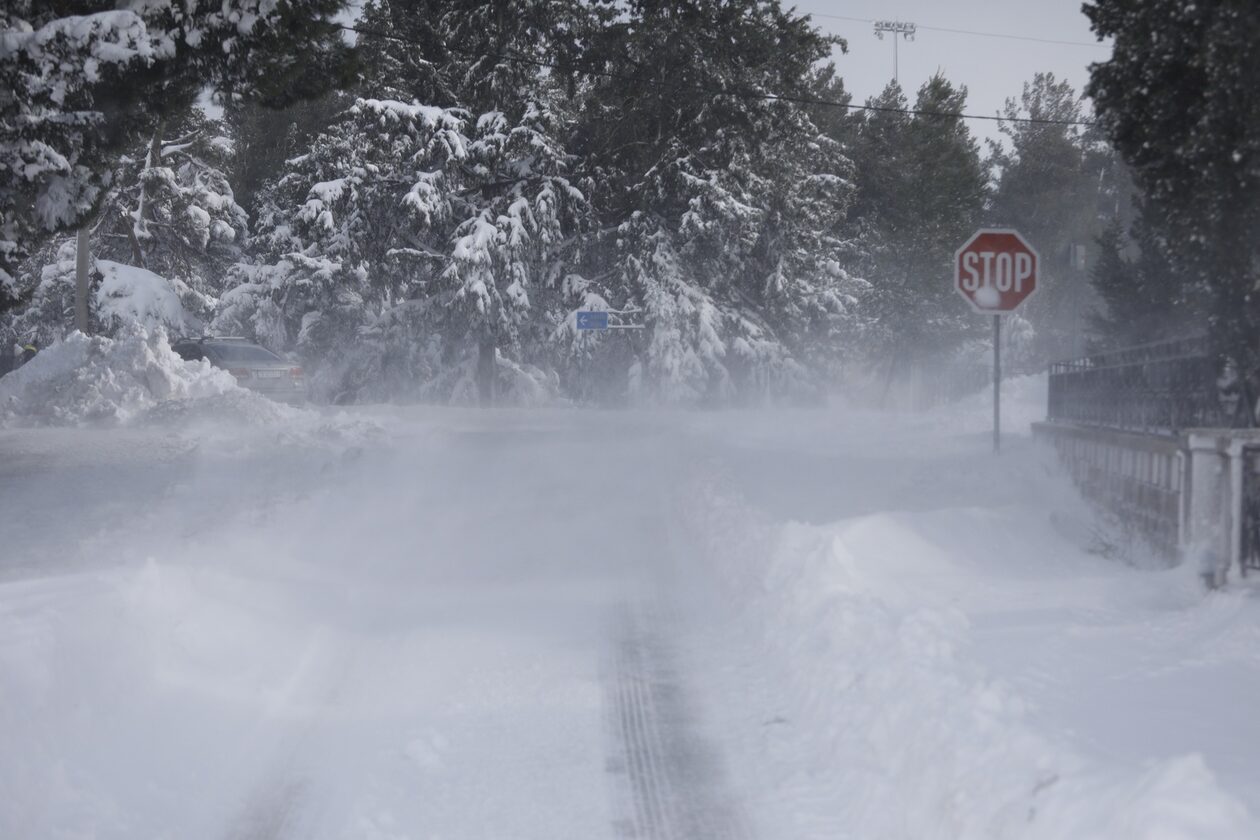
x=592 y=320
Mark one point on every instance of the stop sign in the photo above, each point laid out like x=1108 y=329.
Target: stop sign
x=996 y=270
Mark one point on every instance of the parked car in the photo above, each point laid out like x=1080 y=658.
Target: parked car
x=255 y=367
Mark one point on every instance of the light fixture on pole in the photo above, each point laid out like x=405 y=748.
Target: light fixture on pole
x=899 y=29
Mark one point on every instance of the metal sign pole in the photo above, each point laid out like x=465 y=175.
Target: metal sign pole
x=997 y=383
x=996 y=271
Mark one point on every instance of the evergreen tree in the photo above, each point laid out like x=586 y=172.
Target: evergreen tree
x=403 y=251
x=1059 y=186
x=921 y=191
x=263 y=138
x=1141 y=296
x=1179 y=100
x=507 y=164
x=170 y=212
x=85 y=79
x=834 y=120
x=173 y=210
x=724 y=210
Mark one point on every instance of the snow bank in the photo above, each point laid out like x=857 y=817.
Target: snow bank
x=137 y=379
x=84 y=380
x=885 y=714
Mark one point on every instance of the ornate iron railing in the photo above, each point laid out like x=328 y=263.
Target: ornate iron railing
x=1162 y=387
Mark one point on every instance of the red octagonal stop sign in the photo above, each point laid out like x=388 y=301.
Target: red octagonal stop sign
x=996 y=270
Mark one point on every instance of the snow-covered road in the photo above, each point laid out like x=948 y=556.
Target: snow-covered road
x=452 y=624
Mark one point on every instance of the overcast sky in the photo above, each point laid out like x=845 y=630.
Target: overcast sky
x=991 y=68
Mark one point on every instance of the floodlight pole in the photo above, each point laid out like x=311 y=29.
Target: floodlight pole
x=899 y=29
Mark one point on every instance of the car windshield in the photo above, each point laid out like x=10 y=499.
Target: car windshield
x=242 y=354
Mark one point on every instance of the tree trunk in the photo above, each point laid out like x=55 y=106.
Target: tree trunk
x=893 y=363
x=81 y=281
x=137 y=253
x=487 y=373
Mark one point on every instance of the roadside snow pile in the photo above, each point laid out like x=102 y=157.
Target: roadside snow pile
x=96 y=380
x=874 y=625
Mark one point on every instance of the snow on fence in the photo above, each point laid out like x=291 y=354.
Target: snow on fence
x=1139 y=478
x=1143 y=433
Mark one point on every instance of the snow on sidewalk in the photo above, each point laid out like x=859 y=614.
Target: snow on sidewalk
x=941 y=663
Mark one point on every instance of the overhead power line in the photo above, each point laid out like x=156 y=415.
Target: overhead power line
x=738 y=94
x=1005 y=35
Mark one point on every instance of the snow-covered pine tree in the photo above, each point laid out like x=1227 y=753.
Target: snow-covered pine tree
x=519 y=207
x=724 y=204
x=263 y=137
x=351 y=230
x=174 y=213
x=1060 y=186
x=1142 y=296
x=171 y=214
x=920 y=192
x=84 y=79
x=399 y=253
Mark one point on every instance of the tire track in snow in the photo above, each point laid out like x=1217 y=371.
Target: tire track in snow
x=672 y=779
x=275 y=807
x=269 y=811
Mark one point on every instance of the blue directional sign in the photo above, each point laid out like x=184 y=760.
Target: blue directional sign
x=592 y=320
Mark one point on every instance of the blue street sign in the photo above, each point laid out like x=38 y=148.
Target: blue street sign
x=592 y=320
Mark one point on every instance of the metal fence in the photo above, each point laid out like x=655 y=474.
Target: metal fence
x=1162 y=387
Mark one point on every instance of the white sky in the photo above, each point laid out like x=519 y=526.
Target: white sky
x=991 y=68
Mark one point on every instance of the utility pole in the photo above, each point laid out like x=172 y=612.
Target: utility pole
x=899 y=29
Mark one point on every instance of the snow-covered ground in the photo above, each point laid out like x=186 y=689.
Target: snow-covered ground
x=218 y=621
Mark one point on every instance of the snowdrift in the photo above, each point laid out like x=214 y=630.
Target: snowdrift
x=137 y=380
x=895 y=632
x=96 y=380
x=910 y=737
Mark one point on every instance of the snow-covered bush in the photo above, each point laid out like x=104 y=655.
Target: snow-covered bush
x=120 y=296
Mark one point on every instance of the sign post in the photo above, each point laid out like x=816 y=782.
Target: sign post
x=996 y=271
x=997 y=383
